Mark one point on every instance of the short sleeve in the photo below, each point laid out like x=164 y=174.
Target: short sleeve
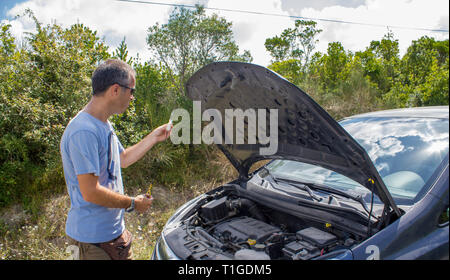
x=83 y=149
x=120 y=146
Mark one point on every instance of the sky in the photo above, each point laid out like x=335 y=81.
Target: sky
x=114 y=20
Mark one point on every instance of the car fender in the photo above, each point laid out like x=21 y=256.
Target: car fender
x=416 y=234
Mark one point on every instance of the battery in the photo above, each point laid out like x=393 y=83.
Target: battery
x=300 y=250
x=316 y=237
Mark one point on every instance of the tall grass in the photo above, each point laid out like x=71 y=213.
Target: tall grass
x=27 y=236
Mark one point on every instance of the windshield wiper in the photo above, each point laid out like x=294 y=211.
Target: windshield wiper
x=309 y=185
x=302 y=187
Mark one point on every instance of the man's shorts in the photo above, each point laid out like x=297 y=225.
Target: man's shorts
x=119 y=248
x=88 y=251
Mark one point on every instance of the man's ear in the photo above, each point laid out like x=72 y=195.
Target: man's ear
x=114 y=90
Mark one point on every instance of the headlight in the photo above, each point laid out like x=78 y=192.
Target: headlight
x=162 y=251
x=181 y=212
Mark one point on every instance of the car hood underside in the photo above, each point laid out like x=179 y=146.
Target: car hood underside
x=306 y=132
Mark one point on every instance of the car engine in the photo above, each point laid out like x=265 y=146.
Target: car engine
x=232 y=227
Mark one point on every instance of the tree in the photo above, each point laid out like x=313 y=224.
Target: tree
x=424 y=75
x=191 y=40
x=435 y=89
x=122 y=52
x=381 y=62
x=279 y=47
x=295 y=43
x=289 y=69
x=7 y=59
x=334 y=68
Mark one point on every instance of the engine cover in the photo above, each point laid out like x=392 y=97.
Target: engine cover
x=243 y=228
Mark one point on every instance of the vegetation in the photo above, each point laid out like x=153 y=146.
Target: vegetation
x=345 y=83
x=191 y=40
x=45 y=81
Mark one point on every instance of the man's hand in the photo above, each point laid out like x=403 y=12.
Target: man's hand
x=142 y=203
x=161 y=133
x=137 y=151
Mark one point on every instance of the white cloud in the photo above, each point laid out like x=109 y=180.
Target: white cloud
x=252 y=30
x=114 y=20
x=398 y=13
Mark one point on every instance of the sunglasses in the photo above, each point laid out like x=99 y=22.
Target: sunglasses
x=131 y=89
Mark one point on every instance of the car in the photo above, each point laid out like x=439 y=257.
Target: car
x=371 y=186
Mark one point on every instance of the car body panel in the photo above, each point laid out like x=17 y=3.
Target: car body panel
x=440 y=112
x=415 y=235
x=306 y=132
x=420 y=232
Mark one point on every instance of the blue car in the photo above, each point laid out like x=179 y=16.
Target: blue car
x=371 y=186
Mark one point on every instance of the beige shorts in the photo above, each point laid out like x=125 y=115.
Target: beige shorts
x=88 y=251
x=118 y=249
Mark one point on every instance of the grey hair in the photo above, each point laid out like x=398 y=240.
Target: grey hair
x=112 y=71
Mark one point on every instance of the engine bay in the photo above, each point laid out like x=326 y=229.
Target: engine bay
x=234 y=227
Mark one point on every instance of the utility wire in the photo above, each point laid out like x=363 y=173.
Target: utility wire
x=288 y=16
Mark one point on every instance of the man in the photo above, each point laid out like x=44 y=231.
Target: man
x=92 y=159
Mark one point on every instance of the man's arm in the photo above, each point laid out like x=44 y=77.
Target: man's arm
x=93 y=192
x=136 y=152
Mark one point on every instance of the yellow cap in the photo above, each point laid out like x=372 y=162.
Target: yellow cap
x=251 y=242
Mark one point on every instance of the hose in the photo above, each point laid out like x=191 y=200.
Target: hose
x=251 y=208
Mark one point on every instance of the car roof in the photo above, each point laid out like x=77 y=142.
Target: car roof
x=440 y=112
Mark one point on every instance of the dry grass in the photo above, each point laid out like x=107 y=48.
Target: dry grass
x=43 y=237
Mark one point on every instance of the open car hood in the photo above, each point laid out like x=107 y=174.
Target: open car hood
x=306 y=132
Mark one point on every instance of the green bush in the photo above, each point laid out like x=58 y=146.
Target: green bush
x=46 y=82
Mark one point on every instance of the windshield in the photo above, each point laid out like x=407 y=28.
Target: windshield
x=405 y=151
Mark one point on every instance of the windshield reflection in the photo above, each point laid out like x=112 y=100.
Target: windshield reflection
x=405 y=151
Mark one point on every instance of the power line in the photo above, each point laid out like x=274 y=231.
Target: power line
x=287 y=16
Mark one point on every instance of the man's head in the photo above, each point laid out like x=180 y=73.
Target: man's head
x=114 y=80
x=110 y=72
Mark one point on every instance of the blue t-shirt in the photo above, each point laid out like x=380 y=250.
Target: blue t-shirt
x=89 y=145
